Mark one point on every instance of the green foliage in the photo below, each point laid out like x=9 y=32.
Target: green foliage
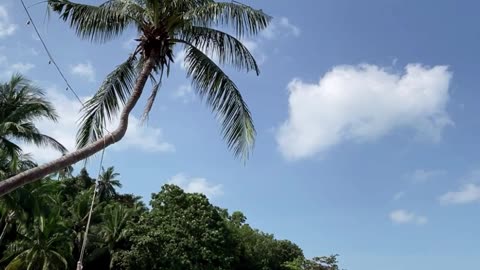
x=22 y=103
x=317 y=263
x=44 y=225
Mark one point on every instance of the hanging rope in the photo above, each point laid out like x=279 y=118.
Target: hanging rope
x=87 y=228
x=69 y=87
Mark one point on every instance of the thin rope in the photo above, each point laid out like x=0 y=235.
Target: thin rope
x=87 y=228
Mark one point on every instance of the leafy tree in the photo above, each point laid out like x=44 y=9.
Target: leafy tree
x=40 y=247
x=183 y=230
x=162 y=26
x=107 y=183
x=22 y=103
x=317 y=263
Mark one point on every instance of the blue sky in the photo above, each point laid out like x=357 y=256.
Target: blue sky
x=366 y=120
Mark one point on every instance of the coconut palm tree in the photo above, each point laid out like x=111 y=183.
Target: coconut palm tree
x=107 y=183
x=23 y=205
x=22 y=103
x=44 y=246
x=115 y=219
x=162 y=26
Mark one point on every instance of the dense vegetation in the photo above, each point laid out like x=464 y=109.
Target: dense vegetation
x=43 y=223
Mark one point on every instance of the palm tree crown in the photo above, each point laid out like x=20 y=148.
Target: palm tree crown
x=161 y=25
x=21 y=104
x=107 y=183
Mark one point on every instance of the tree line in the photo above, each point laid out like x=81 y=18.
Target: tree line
x=43 y=224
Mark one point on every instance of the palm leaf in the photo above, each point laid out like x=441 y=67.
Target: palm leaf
x=226 y=47
x=243 y=19
x=221 y=93
x=29 y=133
x=106 y=103
x=95 y=23
x=151 y=100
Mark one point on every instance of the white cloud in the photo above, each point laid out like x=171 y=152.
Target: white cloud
x=85 y=70
x=405 y=217
x=468 y=193
x=196 y=185
x=21 y=67
x=422 y=175
x=7 y=28
x=363 y=103
x=398 y=195
x=137 y=138
x=7 y=69
x=289 y=26
x=281 y=27
x=184 y=93
x=141 y=137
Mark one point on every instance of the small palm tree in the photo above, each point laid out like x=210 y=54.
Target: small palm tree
x=21 y=104
x=45 y=246
x=11 y=165
x=162 y=27
x=107 y=183
x=112 y=229
x=25 y=204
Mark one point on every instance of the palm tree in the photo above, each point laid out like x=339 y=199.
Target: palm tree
x=107 y=183
x=162 y=26
x=21 y=103
x=11 y=165
x=112 y=229
x=24 y=204
x=44 y=246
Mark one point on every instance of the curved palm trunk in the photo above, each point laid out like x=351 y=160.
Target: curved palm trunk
x=36 y=173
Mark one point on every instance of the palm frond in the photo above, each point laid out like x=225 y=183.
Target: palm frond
x=221 y=93
x=227 y=48
x=28 y=133
x=242 y=18
x=95 y=23
x=151 y=100
x=106 y=103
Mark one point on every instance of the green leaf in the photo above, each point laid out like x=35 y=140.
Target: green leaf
x=221 y=93
x=95 y=23
x=106 y=103
x=227 y=48
x=242 y=18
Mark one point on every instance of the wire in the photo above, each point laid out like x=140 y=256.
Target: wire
x=69 y=87
x=85 y=236
x=51 y=59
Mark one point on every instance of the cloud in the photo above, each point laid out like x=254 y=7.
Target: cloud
x=7 y=69
x=85 y=70
x=421 y=175
x=196 y=185
x=281 y=27
x=468 y=193
x=184 y=93
x=137 y=138
x=7 y=28
x=405 y=217
x=363 y=103
x=21 y=67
